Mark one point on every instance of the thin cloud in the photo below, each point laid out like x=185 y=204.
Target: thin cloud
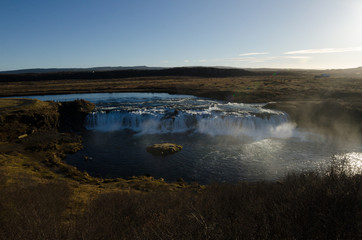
x=325 y=50
x=257 y=59
x=267 y=59
x=298 y=57
x=253 y=53
x=251 y=59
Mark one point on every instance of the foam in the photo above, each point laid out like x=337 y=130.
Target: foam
x=211 y=122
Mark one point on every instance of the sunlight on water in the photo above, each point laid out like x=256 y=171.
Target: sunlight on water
x=354 y=161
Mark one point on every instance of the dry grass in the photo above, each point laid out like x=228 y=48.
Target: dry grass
x=303 y=206
x=34 y=212
x=263 y=87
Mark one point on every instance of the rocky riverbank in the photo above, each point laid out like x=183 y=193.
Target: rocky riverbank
x=40 y=134
x=21 y=118
x=35 y=137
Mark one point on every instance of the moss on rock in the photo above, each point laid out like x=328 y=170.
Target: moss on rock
x=164 y=149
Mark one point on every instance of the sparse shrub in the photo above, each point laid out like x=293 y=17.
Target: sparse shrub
x=34 y=212
x=302 y=206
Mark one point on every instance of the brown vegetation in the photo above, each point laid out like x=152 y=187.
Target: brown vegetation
x=164 y=149
x=304 y=206
x=234 y=84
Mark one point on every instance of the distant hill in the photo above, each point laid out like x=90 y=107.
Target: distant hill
x=351 y=72
x=93 y=73
x=55 y=70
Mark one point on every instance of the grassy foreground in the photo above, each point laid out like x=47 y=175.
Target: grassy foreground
x=304 y=206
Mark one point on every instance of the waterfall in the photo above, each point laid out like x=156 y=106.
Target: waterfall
x=212 y=123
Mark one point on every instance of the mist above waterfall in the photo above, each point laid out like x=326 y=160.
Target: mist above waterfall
x=191 y=115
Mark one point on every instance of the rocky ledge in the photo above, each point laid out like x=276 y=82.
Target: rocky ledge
x=39 y=134
x=20 y=118
x=163 y=149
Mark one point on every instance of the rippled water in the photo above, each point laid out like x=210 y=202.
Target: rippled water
x=222 y=141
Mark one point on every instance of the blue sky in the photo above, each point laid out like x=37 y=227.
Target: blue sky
x=170 y=33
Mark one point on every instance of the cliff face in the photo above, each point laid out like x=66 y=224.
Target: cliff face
x=20 y=118
x=72 y=114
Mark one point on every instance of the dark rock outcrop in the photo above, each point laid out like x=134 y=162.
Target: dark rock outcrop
x=25 y=117
x=72 y=114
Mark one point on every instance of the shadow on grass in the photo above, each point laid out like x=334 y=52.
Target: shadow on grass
x=302 y=206
x=34 y=211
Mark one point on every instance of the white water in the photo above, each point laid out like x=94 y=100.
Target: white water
x=185 y=115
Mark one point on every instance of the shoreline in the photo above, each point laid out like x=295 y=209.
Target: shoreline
x=53 y=129
x=36 y=136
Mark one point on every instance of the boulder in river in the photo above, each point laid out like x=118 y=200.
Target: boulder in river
x=163 y=149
